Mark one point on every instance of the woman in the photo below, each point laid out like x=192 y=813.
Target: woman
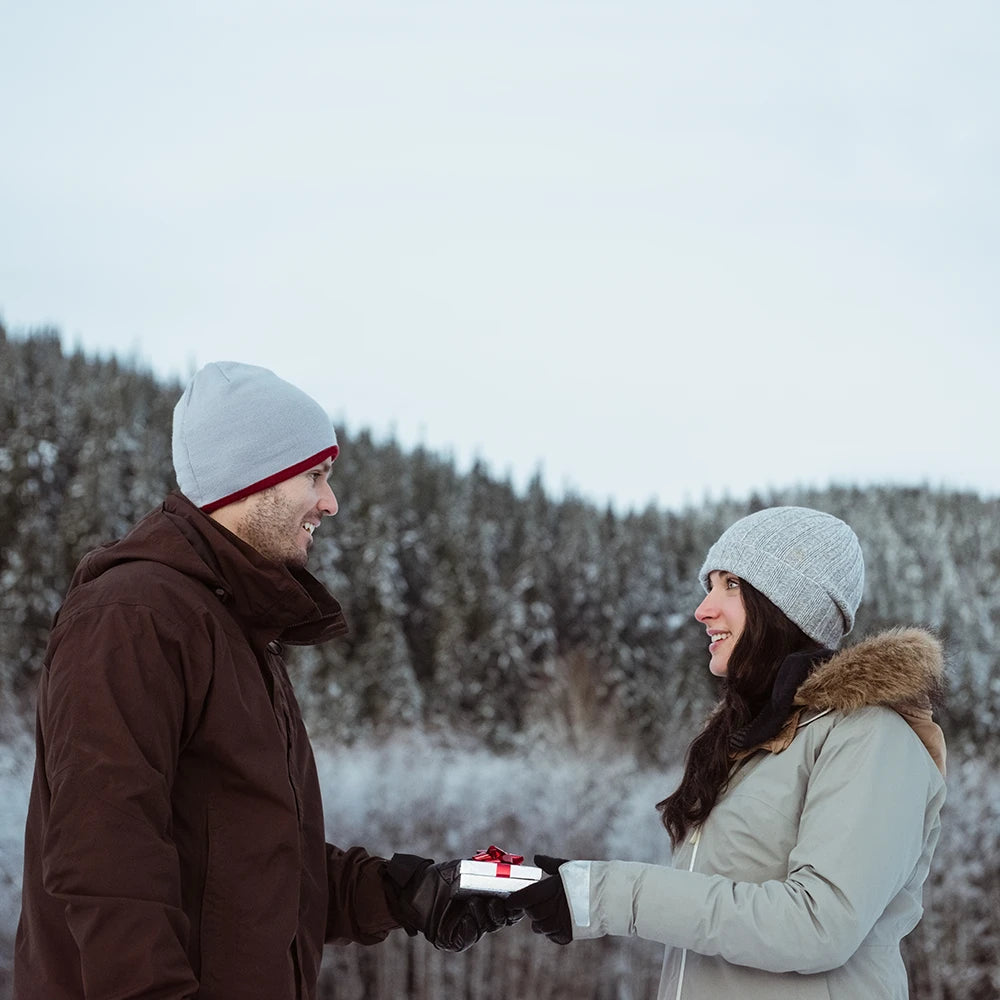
x=808 y=811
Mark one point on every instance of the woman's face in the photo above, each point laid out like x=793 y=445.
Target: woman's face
x=724 y=617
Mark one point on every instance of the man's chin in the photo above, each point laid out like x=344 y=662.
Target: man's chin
x=289 y=558
x=297 y=561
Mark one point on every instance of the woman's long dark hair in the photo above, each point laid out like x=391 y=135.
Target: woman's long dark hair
x=768 y=637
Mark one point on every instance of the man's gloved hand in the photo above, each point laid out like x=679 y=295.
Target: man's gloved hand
x=419 y=896
x=545 y=902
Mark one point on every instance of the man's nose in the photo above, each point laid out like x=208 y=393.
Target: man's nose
x=328 y=503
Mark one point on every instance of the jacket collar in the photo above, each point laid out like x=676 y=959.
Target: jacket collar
x=281 y=601
x=901 y=669
x=267 y=599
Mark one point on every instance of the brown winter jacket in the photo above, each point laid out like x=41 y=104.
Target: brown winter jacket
x=175 y=845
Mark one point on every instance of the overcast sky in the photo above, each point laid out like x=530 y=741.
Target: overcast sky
x=660 y=251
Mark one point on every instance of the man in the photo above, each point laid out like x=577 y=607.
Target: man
x=175 y=844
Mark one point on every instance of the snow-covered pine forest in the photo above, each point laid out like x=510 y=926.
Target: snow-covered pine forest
x=521 y=670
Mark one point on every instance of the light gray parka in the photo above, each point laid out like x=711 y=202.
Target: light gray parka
x=809 y=870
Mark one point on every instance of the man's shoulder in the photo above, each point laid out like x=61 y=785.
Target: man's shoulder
x=141 y=584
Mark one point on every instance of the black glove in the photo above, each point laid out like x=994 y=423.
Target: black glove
x=419 y=895
x=545 y=902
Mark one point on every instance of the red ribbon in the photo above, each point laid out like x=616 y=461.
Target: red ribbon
x=503 y=859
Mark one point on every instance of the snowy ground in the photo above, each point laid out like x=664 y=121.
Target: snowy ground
x=15 y=780
x=418 y=797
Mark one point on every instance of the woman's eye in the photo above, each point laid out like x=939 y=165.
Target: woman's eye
x=732 y=583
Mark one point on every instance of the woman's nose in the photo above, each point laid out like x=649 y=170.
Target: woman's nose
x=705 y=610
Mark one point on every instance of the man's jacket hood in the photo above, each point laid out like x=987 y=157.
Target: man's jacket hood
x=288 y=602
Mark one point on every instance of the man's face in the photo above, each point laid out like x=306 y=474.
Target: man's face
x=279 y=522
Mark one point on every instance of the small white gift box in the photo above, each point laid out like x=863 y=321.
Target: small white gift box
x=494 y=877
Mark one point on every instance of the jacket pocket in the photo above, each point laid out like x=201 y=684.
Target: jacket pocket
x=248 y=913
x=226 y=952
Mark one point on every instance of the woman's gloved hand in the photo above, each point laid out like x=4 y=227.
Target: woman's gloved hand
x=545 y=902
x=419 y=895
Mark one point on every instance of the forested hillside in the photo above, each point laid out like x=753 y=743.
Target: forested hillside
x=511 y=621
x=472 y=607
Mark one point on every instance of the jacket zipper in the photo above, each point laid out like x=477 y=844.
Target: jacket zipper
x=695 y=841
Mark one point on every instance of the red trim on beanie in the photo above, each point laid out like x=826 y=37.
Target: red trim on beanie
x=278 y=477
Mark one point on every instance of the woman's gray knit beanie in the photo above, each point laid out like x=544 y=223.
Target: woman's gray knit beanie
x=807 y=563
x=239 y=429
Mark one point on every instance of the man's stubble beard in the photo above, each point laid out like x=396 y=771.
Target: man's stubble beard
x=268 y=525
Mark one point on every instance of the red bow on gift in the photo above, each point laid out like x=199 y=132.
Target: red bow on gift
x=493 y=853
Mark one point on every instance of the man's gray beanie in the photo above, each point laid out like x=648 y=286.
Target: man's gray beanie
x=239 y=429
x=807 y=563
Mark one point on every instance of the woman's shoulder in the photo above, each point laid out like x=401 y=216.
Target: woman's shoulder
x=878 y=720
x=870 y=739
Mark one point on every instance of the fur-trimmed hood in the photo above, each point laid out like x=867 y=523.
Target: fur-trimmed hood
x=901 y=669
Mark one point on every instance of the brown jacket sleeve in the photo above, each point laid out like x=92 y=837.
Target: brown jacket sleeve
x=357 y=910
